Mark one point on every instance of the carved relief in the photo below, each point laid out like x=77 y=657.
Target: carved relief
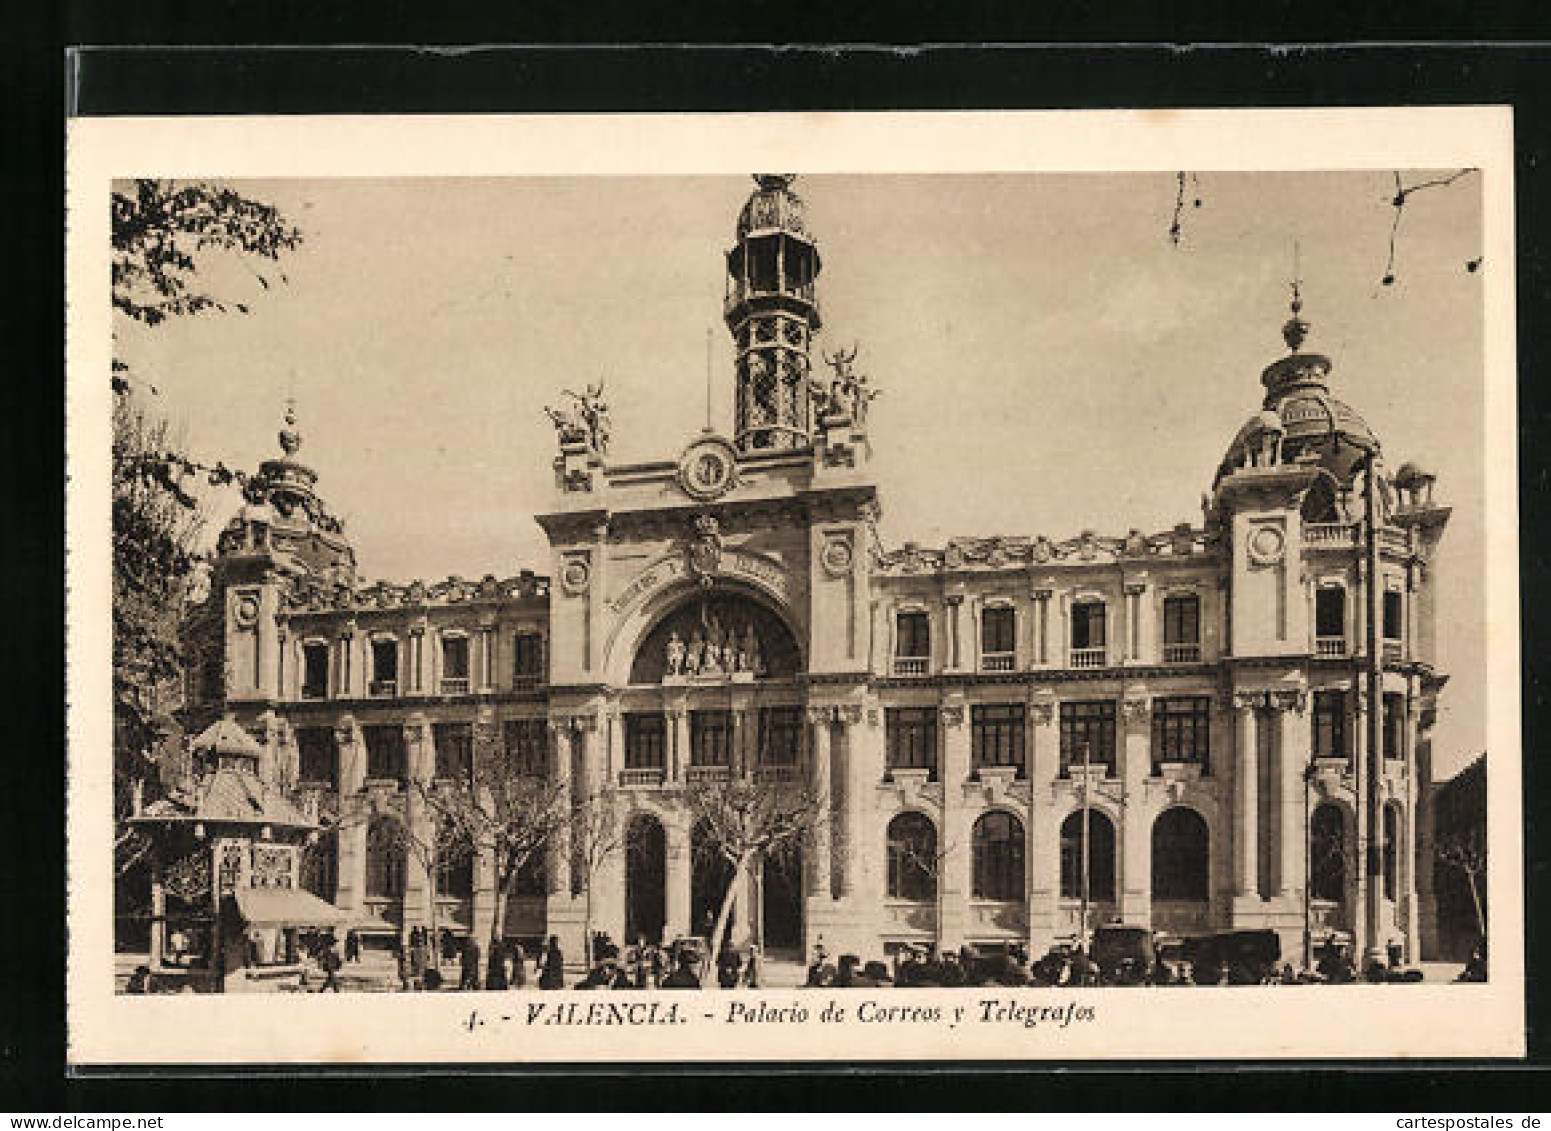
x=838 y=555
x=708 y=469
x=576 y=573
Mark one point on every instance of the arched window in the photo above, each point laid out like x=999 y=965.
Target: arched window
x=1391 y=853
x=1181 y=856
x=912 y=855
x=455 y=866
x=320 y=866
x=998 y=852
x=384 y=860
x=1327 y=854
x=1101 y=857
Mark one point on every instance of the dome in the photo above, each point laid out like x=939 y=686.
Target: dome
x=774 y=206
x=1413 y=475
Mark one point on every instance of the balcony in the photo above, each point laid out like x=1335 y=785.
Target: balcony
x=998 y=662
x=1330 y=646
x=455 y=685
x=910 y=665
x=738 y=294
x=1393 y=652
x=696 y=775
x=644 y=777
x=314 y=692
x=1182 y=653
x=383 y=688
x=1088 y=657
x=777 y=774
x=1330 y=534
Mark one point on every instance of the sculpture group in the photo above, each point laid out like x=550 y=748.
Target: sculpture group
x=714 y=651
x=849 y=393
x=585 y=419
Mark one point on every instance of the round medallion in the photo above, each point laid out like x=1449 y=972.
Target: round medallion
x=575 y=576
x=1265 y=545
x=707 y=467
x=247 y=610
x=837 y=557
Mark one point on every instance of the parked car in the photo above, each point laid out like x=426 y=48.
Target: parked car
x=1250 y=957
x=1123 y=954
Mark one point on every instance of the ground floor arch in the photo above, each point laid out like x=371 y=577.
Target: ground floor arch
x=1099 y=859
x=1181 y=879
x=781 y=902
x=646 y=878
x=710 y=878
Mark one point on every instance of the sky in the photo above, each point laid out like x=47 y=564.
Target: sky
x=1050 y=360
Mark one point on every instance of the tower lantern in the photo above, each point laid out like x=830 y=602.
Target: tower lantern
x=772 y=313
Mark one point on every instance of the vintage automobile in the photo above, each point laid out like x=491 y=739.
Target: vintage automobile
x=1124 y=954
x=1248 y=957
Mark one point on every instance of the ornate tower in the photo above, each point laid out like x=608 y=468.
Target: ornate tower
x=772 y=313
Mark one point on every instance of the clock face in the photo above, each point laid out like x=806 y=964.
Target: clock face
x=707 y=469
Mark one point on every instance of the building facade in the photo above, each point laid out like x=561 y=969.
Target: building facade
x=1169 y=728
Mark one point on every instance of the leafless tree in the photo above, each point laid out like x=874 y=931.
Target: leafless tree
x=508 y=812
x=436 y=843
x=1467 y=852
x=597 y=835
x=747 y=819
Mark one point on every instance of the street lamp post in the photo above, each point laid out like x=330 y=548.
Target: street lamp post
x=1082 y=933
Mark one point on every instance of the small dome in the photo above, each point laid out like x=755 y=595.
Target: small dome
x=773 y=206
x=1413 y=475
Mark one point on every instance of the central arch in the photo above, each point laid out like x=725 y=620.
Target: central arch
x=1181 y=871
x=646 y=883
x=718 y=633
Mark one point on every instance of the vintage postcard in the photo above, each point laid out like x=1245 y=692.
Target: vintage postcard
x=1003 y=586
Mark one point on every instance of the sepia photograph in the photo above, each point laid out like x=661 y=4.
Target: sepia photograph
x=1014 y=602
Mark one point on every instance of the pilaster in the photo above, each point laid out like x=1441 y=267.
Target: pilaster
x=1135 y=832
x=953 y=847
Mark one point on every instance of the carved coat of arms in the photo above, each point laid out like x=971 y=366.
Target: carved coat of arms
x=705 y=549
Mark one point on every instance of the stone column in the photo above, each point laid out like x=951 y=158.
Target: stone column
x=1246 y=835
x=678 y=720
x=1042 y=853
x=823 y=869
x=954 y=862
x=1041 y=620
x=1135 y=831
x=561 y=735
x=416 y=673
x=954 y=603
x=737 y=763
x=854 y=735
x=486 y=640
x=1292 y=738
x=1406 y=856
x=680 y=875
x=419 y=877
x=613 y=752
x=352 y=834
x=1133 y=643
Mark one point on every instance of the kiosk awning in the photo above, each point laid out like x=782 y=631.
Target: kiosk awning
x=286 y=907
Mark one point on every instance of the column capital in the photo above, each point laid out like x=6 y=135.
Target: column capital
x=1135 y=588
x=1250 y=700
x=1136 y=709
x=1042 y=712
x=1042 y=593
x=1292 y=699
x=953 y=600
x=952 y=716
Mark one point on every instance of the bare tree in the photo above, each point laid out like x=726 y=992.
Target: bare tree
x=1467 y=852
x=746 y=820
x=505 y=812
x=435 y=842
x=597 y=835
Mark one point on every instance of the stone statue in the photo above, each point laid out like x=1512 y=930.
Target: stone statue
x=585 y=420
x=694 y=654
x=751 y=653
x=675 y=654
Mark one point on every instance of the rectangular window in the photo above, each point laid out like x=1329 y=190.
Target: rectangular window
x=1182 y=620
x=780 y=736
x=910 y=734
x=1182 y=731
x=998 y=735
x=315 y=670
x=454 y=750
x=387 y=754
x=1088 y=727
x=914 y=637
x=455 y=665
x=1330 y=613
x=1392 y=617
x=1394 y=725
x=710 y=738
x=1330 y=724
x=1088 y=625
x=385 y=667
x=997 y=631
x=528 y=657
x=317 y=756
x=527 y=747
x=645 y=741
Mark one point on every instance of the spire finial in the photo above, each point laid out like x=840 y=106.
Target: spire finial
x=290 y=438
x=771 y=181
x=1296 y=330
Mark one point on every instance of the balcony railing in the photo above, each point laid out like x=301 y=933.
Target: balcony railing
x=1088 y=657
x=738 y=294
x=527 y=679
x=645 y=777
x=1393 y=653
x=1330 y=646
x=1330 y=533
x=455 y=685
x=696 y=774
x=777 y=773
x=1181 y=653
x=997 y=662
x=383 y=688
x=314 y=692
x=910 y=665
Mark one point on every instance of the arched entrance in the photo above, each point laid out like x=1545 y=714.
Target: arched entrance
x=1327 y=869
x=781 y=900
x=1181 y=872
x=708 y=884
x=646 y=889
x=715 y=637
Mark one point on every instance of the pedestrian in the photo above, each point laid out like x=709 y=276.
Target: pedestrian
x=468 y=965
x=139 y=981
x=419 y=958
x=728 y=967
x=352 y=946
x=518 y=962
x=331 y=964
x=401 y=954
x=684 y=978
x=552 y=976
x=656 y=967
x=751 y=971
x=497 y=971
